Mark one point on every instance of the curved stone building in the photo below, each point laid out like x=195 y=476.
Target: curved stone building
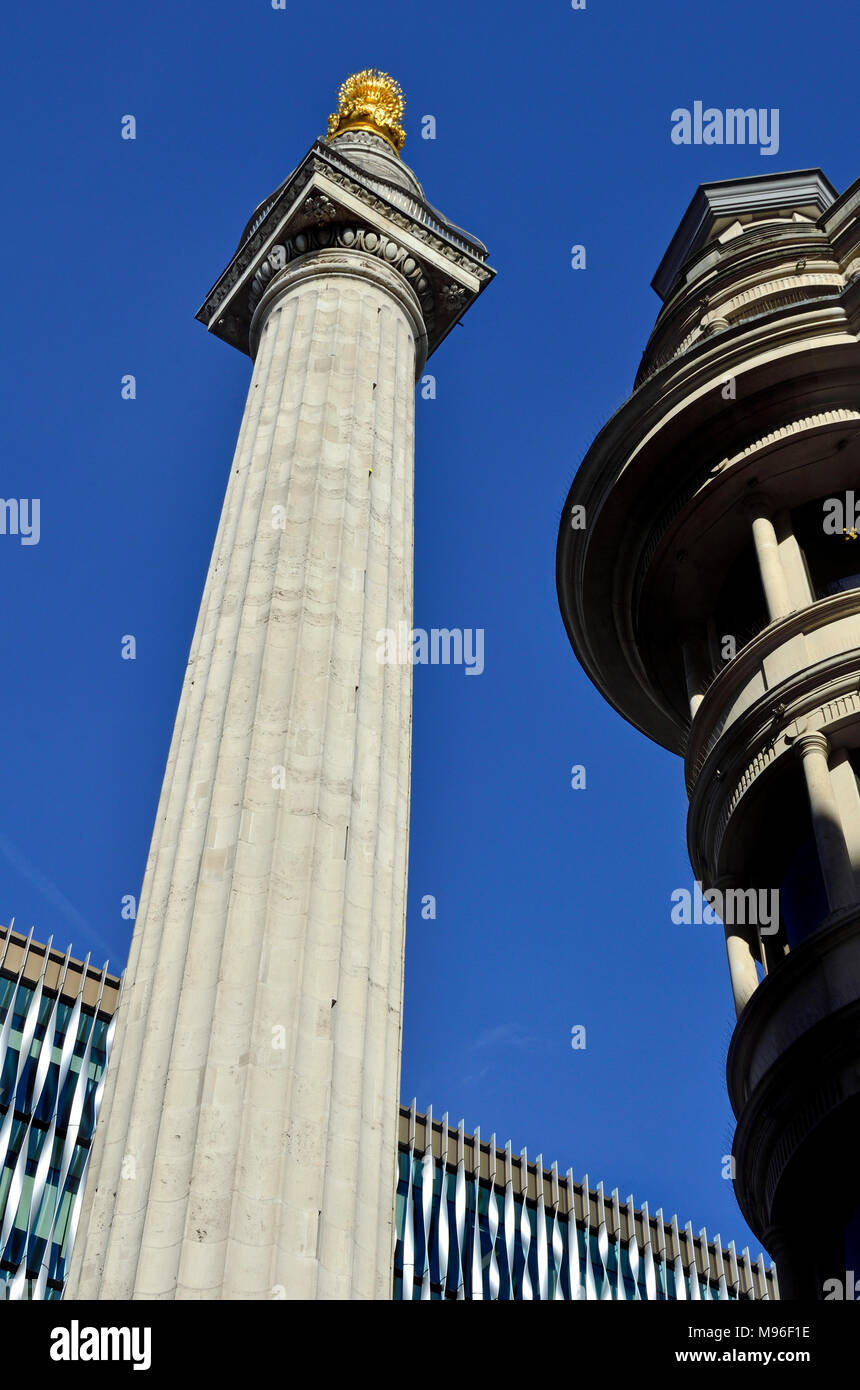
x=709 y=580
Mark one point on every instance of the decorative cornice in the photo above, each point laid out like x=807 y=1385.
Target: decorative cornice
x=765 y=734
x=348 y=237
x=719 y=312
x=441 y=236
x=784 y=289
x=324 y=175
x=702 y=477
x=721 y=694
x=713 y=203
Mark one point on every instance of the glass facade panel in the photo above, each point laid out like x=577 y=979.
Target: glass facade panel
x=460 y=1237
x=50 y=1084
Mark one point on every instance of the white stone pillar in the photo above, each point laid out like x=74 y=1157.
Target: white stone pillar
x=791 y=562
x=695 y=674
x=742 y=969
x=770 y=565
x=829 y=838
x=847 y=794
x=249 y=1142
x=742 y=966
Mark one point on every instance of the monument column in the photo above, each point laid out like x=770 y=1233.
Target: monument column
x=247 y=1140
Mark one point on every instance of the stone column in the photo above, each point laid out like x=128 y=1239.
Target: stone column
x=695 y=672
x=847 y=794
x=742 y=966
x=791 y=562
x=829 y=838
x=742 y=971
x=769 y=563
x=249 y=1143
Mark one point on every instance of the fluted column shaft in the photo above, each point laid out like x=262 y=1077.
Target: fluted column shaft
x=247 y=1145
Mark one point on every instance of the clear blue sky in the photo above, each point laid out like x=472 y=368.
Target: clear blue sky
x=552 y=129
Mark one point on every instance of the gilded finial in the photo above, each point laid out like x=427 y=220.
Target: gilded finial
x=373 y=101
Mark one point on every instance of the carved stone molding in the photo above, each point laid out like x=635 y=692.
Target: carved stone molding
x=320 y=209
x=328 y=191
x=424 y=231
x=721 y=694
x=350 y=237
x=778 y=287
x=785 y=289
x=349 y=261
x=251 y=247
x=775 y=743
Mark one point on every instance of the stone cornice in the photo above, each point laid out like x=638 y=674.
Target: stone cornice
x=334 y=236
x=452 y=262
x=637 y=455
x=680 y=383
x=713 y=203
x=841 y=216
x=713 y=474
x=790 y=268
x=784 y=324
x=802 y=1052
x=831 y=939
x=821 y=697
x=727 y=684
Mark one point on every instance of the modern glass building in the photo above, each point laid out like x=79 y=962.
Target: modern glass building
x=474 y=1221
x=56 y=1026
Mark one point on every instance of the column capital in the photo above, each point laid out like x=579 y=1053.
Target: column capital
x=340 y=197
x=350 y=263
x=812 y=741
x=833 y=855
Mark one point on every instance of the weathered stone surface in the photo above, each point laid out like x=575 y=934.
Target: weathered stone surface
x=227 y=1165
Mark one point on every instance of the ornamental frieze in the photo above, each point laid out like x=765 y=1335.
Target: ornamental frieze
x=348 y=237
